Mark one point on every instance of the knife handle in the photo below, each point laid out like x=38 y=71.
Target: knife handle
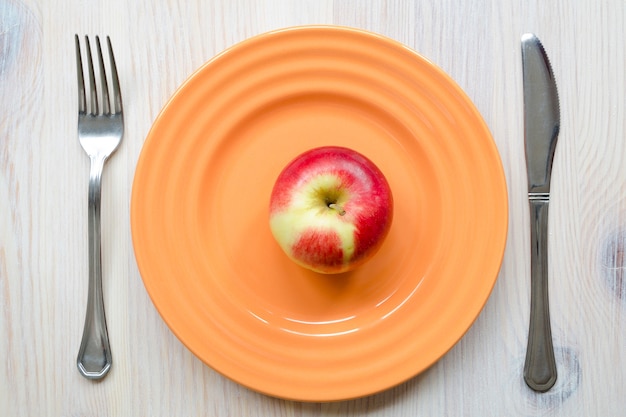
x=540 y=366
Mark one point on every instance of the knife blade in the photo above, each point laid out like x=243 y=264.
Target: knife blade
x=541 y=130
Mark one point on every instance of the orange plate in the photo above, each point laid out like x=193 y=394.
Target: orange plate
x=200 y=214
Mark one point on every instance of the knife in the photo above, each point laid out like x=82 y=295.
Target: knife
x=541 y=130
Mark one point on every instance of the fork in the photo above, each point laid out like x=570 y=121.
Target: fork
x=99 y=134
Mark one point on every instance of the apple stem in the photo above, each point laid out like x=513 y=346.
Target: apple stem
x=337 y=207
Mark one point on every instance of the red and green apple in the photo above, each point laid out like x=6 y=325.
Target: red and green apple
x=330 y=209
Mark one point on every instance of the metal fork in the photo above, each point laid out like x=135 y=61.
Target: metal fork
x=99 y=134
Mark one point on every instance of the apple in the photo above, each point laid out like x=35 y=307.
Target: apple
x=330 y=209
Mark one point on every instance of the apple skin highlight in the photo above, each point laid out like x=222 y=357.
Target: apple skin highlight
x=330 y=209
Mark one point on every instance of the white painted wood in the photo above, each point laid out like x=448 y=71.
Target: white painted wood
x=158 y=43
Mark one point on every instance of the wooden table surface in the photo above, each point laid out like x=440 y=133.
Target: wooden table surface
x=158 y=44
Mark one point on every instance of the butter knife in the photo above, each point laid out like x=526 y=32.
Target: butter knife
x=541 y=130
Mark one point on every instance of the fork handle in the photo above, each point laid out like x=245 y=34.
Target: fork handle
x=540 y=366
x=94 y=356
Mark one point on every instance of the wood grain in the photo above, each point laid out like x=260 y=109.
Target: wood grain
x=158 y=44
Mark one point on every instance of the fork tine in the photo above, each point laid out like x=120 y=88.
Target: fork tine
x=92 y=81
x=117 y=94
x=103 y=80
x=82 y=101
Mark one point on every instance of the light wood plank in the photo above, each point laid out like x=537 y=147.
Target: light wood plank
x=158 y=44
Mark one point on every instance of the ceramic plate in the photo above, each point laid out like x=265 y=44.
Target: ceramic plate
x=199 y=214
